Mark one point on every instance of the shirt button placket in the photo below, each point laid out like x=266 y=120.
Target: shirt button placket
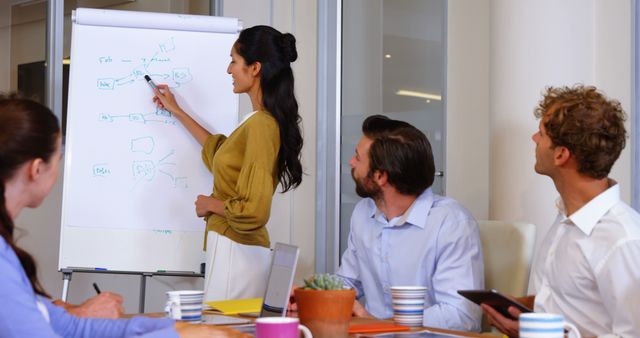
x=384 y=251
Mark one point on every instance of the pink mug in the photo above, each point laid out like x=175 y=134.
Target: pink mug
x=280 y=327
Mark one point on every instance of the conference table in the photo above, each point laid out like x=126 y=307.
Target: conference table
x=370 y=320
x=458 y=333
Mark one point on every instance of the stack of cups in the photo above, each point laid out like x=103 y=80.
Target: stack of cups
x=185 y=305
x=408 y=304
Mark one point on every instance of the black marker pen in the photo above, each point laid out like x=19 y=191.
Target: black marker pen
x=95 y=286
x=150 y=82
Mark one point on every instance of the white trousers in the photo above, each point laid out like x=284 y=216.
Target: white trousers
x=234 y=270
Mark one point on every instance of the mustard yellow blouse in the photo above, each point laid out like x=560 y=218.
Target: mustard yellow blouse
x=244 y=167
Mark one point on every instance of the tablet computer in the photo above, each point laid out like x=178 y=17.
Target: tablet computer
x=494 y=299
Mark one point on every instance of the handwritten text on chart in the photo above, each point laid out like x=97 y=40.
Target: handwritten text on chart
x=154 y=66
x=157 y=116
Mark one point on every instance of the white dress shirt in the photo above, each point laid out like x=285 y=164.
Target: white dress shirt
x=588 y=268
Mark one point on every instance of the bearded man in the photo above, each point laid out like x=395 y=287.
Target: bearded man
x=404 y=234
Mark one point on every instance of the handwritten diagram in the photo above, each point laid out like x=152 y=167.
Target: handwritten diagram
x=156 y=116
x=129 y=164
x=142 y=145
x=147 y=164
x=147 y=170
x=158 y=67
x=101 y=170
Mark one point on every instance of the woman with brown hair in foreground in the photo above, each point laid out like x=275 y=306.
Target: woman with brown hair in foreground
x=30 y=152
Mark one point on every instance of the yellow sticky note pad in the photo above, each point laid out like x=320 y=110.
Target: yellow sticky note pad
x=235 y=306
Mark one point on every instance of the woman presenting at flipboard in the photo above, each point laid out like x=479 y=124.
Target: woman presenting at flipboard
x=248 y=165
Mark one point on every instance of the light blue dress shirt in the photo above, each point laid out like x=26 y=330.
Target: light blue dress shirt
x=21 y=316
x=436 y=244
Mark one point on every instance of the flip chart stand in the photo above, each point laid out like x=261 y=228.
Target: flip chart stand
x=139 y=165
x=67 y=273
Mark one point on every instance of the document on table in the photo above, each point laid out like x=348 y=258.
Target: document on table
x=235 y=306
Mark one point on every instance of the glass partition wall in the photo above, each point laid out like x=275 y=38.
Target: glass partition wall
x=23 y=47
x=392 y=63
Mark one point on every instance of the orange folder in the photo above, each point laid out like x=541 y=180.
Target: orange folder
x=376 y=327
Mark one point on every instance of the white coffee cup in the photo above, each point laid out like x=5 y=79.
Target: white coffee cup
x=545 y=325
x=185 y=305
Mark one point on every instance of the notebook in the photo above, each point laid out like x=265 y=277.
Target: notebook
x=235 y=306
x=276 y=295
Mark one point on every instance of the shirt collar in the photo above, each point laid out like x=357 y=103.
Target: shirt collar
x=415 y=214
x=590 y=214
x=246 y=117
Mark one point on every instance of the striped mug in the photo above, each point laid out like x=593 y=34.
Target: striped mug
x=545 y=325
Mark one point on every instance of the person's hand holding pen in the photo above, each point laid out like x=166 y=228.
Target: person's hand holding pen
x=104 y=305
x=165 y=99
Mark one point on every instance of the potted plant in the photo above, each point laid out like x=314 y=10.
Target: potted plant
x=325 y=305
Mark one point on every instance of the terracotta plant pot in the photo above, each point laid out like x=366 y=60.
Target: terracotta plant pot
x=325 y=313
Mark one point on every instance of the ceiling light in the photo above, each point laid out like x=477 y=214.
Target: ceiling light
x=387 y=56
x=421 y=95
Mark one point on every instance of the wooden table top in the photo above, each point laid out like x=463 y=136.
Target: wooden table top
x=459 y=333
x=370 y=320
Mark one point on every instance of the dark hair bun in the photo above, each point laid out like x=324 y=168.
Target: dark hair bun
x=288 y=44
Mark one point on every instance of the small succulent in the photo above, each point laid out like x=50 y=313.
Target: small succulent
x=325 y=281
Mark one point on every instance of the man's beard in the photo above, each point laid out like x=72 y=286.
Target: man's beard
x=366 y=187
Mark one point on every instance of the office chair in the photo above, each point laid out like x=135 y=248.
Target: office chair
x=508 y=252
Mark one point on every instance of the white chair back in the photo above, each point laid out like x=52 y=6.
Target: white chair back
x=508 y=252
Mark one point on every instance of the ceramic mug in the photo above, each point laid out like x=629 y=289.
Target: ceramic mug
x=280 y=327
x=184 y=305
x=545 y=325
x=408 y=305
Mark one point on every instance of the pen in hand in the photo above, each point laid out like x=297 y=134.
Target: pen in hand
x=155 y=89
x=150 y=82
x=95 y=286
